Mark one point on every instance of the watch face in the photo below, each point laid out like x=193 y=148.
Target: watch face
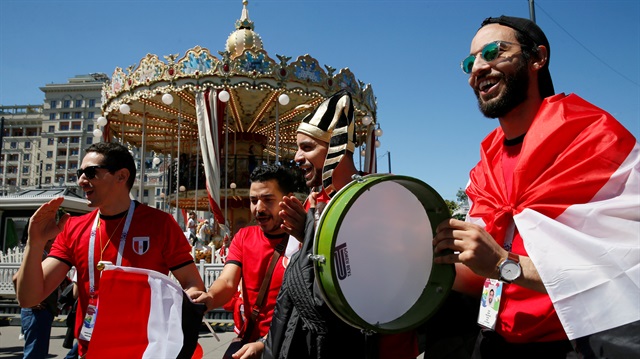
x=510 y=271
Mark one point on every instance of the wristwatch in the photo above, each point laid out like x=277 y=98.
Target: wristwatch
x=262 y=340
x=510 y=269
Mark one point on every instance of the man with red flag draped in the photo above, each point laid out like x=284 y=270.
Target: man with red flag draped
x=555 y=208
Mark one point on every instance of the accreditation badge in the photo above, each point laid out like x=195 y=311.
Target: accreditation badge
x=490 y=303
x=89 y=320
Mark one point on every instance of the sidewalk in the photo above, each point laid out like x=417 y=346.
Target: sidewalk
x=11 y=346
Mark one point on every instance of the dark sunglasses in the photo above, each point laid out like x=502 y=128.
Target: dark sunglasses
x=488 y=53
x=90 y=172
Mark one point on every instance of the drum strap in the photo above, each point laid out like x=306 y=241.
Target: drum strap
x=257 y=307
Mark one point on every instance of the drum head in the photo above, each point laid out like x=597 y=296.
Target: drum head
x=376 y=239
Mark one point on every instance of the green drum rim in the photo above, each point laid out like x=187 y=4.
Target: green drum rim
x=440 y=279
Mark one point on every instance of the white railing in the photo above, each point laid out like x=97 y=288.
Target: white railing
x=10 y=262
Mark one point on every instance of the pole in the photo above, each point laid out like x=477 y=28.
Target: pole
x=40 y=180
x=277 y=135
x=389 y=160
x=532 y=11
x=1 y=135
x=226 y=165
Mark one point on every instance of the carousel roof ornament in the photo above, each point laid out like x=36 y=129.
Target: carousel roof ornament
x=137 y=108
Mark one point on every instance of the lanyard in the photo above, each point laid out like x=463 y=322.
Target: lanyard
x=92 y=241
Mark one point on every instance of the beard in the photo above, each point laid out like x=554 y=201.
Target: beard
x=514 y=94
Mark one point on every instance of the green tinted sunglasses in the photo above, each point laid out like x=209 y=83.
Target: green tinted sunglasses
x=488 y=53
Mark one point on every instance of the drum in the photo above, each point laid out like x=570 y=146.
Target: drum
x=374 y=256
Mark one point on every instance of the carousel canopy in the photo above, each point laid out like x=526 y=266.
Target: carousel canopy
x=149 y=100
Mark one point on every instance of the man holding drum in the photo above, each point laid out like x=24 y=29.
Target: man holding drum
x=303 y=326
x=554 y=206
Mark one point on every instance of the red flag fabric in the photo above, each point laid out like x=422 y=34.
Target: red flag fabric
x=143 y=314
x=575 y=202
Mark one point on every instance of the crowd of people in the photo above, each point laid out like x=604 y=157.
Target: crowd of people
x=550 y=243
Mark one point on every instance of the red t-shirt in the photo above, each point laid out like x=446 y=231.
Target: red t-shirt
x=154 y=241
x=252 y=251
x=539 y=322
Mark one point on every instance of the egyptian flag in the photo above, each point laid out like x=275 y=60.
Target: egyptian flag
x=575 y=202
x=143 y=314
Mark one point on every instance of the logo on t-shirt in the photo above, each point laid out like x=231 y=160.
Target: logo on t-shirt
x=140 y=245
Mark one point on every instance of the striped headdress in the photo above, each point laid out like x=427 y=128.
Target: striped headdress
x=332 y=122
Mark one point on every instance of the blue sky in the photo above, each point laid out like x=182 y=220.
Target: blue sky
x=409 y=51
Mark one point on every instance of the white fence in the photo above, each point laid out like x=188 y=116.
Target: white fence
x=10 y=262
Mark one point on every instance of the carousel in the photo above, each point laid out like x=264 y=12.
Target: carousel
x=207 y=120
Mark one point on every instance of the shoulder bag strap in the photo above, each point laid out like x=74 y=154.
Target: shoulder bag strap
x=255 y=311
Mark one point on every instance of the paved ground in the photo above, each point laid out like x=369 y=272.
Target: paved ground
x=11 y=346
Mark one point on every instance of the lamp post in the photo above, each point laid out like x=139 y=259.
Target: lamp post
x=224 y=97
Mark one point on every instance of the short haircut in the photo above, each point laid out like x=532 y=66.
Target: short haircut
x=116 y=156
x=285 y=177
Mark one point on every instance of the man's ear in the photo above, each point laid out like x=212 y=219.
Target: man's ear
x=541 y=59
x=122 y=175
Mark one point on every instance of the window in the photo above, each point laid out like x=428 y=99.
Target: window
x=62 y=152
x=47 y=180
x=27 y=144
x=52 y=104
x=52 y=116
x=92 y=103
x=157 y=191
x=52 y=128
x=25 y=169
x=73 y=178
x=89 y=140
x=25 y=182
x=49 y=141
x=13 y=145
x=74 y=152
x=91 y=115
x=66 y=104
x=26 y=157
x=90 y=127
x=64 y=126
x=78 y=103
x=75 y=139
x=14 y=157
x=66 y=116
x=73 y=165
x=1 y=169
x=62 y=140
x=49 y=154
x=76 y=125
x=77 y=115
x=48 y=167
x=146 y=193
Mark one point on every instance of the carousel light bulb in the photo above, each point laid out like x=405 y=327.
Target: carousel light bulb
x=283 y=99
x=167 y=99
x=363 y=153
x=379 y=132
x=97 y=132
x=102 y=121
x=125 y=109
x=232 y=185
x=224 y=96
x=378 y=143
x=156 y=161
x=182 y=188
x=366 y=120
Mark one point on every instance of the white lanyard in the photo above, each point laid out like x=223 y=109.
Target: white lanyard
x=92 y=241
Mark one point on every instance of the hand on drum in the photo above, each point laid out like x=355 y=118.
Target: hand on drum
x=472 y=245
x=293 y=217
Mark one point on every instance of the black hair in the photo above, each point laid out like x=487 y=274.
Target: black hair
x=286 y=178
x=116 y=156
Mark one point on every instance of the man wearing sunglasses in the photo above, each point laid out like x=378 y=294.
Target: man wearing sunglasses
x=555 y=205
x=120 y=231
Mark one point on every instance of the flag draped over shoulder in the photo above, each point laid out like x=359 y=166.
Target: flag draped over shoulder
x=144 y=314
x=209 y=136
x=576 y=204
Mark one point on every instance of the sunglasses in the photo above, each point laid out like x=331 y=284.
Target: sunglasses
x=90 y=172
x=488 y=53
